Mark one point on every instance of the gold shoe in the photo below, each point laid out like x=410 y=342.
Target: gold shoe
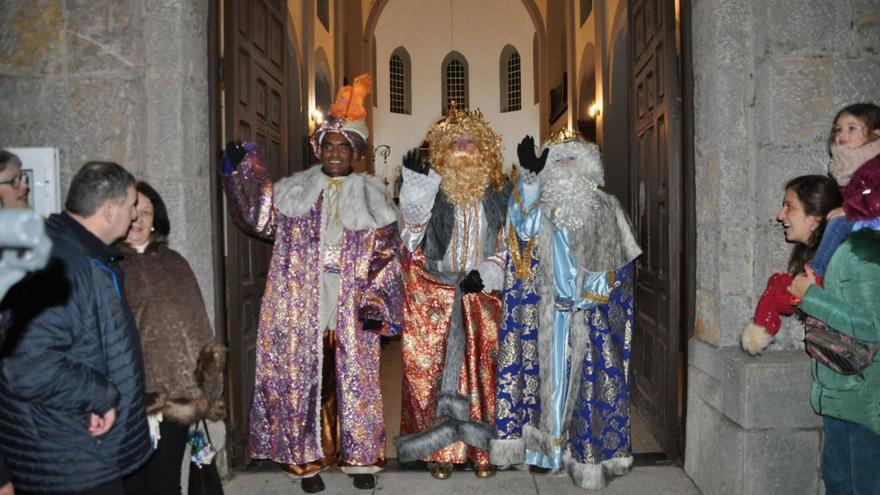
x=441 y=470
x=485 y=470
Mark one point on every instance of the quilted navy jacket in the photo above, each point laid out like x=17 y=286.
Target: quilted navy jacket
x=72 y=350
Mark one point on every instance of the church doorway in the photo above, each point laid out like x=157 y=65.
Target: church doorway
x=255 y=91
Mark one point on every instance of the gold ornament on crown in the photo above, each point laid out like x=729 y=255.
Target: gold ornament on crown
x=564 y=135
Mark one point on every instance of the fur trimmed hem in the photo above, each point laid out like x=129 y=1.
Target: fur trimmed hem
x=539 y=441
x=360 y=469
x=596 y=476
x=507 y=452
x=301 y=477
x=455 y=406
x=424 y=443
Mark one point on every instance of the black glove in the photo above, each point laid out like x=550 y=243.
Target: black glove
x=472 y=283
x=412 y=160
x=235 y=153
x=372 y=324
x=525 y=150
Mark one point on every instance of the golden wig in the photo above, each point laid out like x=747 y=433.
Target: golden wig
x=458 y=123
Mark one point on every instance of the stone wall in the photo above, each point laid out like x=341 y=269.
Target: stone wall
x=116 y=80
x=769 y=75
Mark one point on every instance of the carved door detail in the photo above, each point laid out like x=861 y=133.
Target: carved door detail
x=256 y=109
x=656 y=164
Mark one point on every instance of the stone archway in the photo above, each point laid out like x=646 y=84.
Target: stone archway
x=531 y=6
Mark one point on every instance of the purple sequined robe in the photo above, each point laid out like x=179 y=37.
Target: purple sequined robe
x=285 y=413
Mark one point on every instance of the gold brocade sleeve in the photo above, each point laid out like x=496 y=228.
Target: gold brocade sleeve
x=249 y=193
x=383 y=296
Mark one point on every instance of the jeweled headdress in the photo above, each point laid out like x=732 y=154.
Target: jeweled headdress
x=564 y=135
x=347 y=116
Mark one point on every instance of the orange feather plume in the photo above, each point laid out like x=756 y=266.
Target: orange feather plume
x=349 y=103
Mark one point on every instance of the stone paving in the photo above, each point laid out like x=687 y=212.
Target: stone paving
x=648 y=480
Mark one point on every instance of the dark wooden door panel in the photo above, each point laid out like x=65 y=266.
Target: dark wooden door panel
x=656 y=165
x=256 y=110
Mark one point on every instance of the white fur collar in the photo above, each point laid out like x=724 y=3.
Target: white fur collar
x=362 y=201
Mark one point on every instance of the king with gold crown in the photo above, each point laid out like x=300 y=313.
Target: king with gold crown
x=334 y=286
x=453 y=207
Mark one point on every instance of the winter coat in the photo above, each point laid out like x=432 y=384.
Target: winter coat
x=4 y=473
x=4 y=323
x=861 y=196
x=857 y=170
x=72 y=351
x=173 y=324
x=849 y=304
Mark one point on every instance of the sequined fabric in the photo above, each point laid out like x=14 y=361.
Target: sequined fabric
x=427 y=310
x=517 y=399
x=330 y=426
x=600 y=421
x=285 y=423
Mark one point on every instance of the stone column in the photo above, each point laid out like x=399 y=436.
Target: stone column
x=769 y=75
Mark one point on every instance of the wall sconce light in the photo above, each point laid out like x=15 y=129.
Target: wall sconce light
x=382 y=150
x=316 y=116
x=595 y=110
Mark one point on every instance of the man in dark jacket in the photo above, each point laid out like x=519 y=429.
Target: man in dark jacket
x=72 y=415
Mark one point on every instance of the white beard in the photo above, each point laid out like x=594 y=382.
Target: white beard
x=570 y=195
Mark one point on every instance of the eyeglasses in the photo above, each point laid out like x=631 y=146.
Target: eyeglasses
x=16 y=181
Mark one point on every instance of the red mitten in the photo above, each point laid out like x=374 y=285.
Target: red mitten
x=775 y=301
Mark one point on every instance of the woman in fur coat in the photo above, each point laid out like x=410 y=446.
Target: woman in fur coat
x=176 y=337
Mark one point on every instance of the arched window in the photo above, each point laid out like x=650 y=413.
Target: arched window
x=455 y=81
x=400 y=74
x=511 y=80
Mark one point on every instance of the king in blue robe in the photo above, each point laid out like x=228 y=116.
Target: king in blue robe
x=564 y=345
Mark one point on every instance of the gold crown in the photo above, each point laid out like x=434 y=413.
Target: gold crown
x=564 y=135
x=454 y=115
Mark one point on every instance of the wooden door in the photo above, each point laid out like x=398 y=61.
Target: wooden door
x=256 y=109
x=656 y=162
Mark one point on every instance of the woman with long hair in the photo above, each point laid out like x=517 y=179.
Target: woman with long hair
x=807 y=201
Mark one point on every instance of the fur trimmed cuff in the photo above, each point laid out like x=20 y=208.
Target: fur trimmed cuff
x=528 y=177
x=424 y=443
x=755 y=339
x=417 y=195
x=455 y=406
x=492 y=276
x=416 y=445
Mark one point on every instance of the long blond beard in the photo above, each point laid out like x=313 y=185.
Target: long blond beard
x=463 y=178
